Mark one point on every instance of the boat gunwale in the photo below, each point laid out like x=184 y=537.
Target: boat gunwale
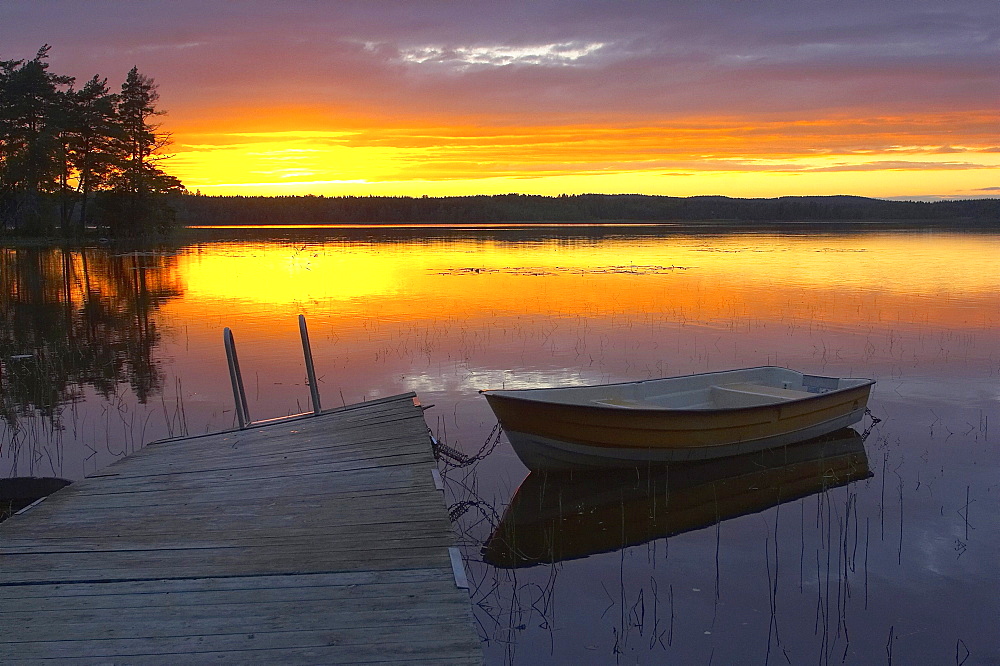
x=597 y=406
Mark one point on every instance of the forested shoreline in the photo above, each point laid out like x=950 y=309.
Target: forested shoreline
x=193 y=210
x=74 y=158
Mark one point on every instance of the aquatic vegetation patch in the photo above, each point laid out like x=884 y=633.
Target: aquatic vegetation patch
x=572 y=270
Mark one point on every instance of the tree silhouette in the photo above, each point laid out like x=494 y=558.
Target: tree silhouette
x=31 y=103
x=92 y=132
x=60 y=147
x=137 y=181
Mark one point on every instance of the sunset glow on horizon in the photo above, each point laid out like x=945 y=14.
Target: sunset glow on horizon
x=681 y=160
x=745 y=100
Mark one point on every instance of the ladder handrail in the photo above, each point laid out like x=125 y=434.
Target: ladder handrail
x=239 y=394
x=310 y=369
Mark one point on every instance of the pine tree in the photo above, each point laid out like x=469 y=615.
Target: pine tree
x=138 y=181
x=31 y=100
x=93 y=131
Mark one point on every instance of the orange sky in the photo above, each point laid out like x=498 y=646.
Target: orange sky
x=679 y=158
x=889 y=99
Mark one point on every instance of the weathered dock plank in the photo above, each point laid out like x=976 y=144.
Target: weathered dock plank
x=319 y=540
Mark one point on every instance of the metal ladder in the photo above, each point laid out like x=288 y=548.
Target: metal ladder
x=239 y=393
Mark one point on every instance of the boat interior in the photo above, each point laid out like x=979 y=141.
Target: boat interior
x=736 y=390
x=716 y=396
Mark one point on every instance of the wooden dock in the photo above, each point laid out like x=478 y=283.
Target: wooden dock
x=316 y=540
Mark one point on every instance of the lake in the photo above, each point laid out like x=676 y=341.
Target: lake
x=887 y=555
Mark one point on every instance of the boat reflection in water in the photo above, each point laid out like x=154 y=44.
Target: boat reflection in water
x=555 y=516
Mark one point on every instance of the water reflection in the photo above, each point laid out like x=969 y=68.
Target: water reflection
x=561 y=516
x=906 y=558
x=705 y=277
x=77 y=319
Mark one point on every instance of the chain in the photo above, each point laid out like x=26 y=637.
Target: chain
x=456 y=458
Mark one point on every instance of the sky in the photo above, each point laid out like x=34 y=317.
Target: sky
x=763 y=98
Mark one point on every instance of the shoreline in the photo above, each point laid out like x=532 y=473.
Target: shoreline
x=182 y=233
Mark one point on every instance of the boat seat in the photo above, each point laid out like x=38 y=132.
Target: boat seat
x=761 y=389
x=622 y=402
x=744 y=394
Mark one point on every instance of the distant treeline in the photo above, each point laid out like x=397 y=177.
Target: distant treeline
x=230 y=210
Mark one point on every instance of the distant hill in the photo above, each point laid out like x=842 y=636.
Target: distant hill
x=230 y=210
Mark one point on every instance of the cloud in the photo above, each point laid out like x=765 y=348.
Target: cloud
x=889 y=165
x=499 y=55
x=170 y=46
x=576 y=58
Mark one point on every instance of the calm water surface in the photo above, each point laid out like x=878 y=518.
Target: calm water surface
x=891 y=559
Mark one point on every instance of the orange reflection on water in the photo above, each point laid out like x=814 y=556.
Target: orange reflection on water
x=838 y=279
x=273 y=275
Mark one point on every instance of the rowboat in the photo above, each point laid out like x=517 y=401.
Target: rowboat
x=562 y=515
x=693 y=417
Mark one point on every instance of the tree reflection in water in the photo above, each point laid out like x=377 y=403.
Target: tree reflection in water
x=73 y=319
